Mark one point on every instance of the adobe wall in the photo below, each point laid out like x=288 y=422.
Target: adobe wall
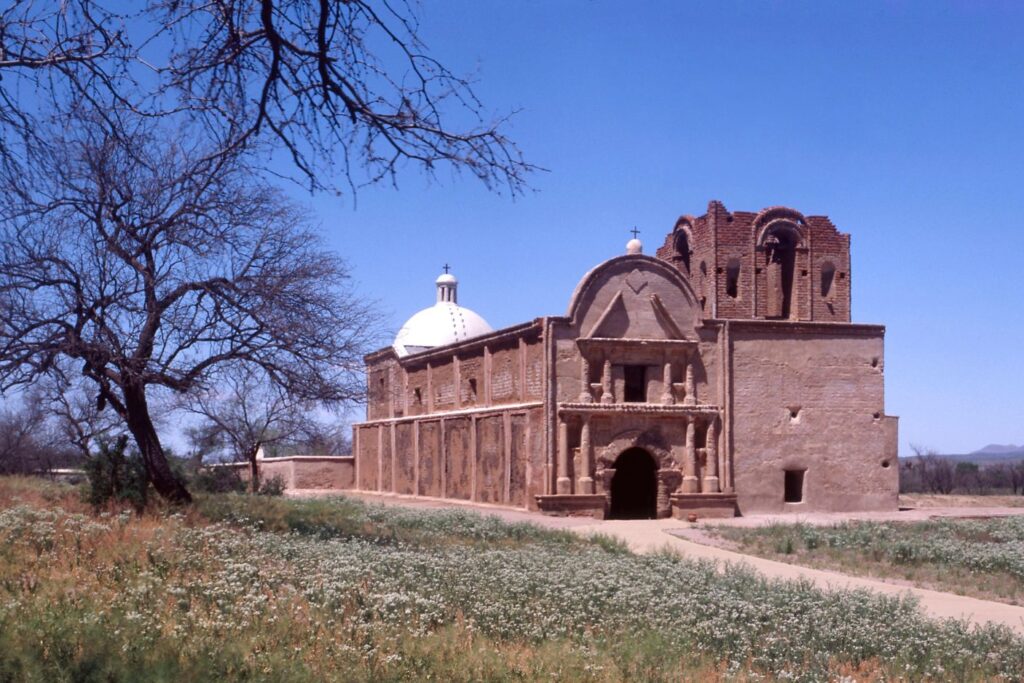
x=463 y=422
x=810 y=397
x=485 y=455
x=335 y=473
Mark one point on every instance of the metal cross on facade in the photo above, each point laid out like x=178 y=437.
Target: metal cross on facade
x=635 y=232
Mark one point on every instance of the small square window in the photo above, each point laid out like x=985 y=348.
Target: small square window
x=794 y=486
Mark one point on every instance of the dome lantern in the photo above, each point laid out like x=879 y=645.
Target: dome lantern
x=447 y=286
x=634 y=246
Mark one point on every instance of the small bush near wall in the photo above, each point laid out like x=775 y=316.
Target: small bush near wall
x=116 y=475
x=272 y=486
x=218 y=480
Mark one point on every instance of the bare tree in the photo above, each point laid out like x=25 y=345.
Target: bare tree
x=30 y=442
x=20 y=428
x=321 y=437
x=937 y=474
x=75 y=412
x=967 y=477
x=243 y=409
x=149 y=263
x=341 y=88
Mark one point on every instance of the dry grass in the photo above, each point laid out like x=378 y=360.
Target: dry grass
x=339 y=591
x=39 y=493
x=981 y=557
x=935 y=500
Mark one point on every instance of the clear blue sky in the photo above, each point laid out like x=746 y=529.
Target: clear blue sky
x=904 y=122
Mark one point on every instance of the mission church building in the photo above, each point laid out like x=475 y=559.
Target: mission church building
x=721 y=375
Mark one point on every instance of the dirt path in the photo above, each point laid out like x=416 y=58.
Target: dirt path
x=656 y=534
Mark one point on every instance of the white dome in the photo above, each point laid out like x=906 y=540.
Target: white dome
x=634 y=246
x=443 y=323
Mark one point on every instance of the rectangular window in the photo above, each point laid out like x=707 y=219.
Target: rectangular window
x=794 y=486
x=636 y=384
x=732 y=278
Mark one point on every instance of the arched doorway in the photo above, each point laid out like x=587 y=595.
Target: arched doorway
x=634 y=486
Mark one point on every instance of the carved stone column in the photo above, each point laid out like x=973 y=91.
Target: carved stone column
x=711 y=473
x=691 y=388
x=667 y=397
x=563 y=484
x=607 y=395
x=690 y=482
x=585 y=484
x=585 y=396
x=668 y=482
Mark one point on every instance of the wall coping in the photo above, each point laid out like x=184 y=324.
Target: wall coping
x=289 y=458
x=308 y=458
x=798 y=326
x=463 y=412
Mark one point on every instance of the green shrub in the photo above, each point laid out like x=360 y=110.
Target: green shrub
x=218 y=480
x=272 y=486
x=116 y=475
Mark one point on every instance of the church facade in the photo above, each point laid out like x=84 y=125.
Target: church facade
x=721 y=375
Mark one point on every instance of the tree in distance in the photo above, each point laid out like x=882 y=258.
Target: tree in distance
x=242 y=411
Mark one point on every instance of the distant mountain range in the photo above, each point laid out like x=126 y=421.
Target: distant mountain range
x=996 y=449
x=989 y=454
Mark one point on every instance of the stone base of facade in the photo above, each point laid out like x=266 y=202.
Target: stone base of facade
x=569 y=505
x=703 y=505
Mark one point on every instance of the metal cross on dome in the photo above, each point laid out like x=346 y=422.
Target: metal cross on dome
x=635 y=232
x=446 y=268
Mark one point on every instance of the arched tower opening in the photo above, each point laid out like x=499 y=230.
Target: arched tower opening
x=682 y=247
x=779 y=245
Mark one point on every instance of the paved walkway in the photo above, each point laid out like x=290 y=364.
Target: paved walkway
x=657 y=534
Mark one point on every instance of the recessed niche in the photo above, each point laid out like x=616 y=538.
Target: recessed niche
x=886 y=464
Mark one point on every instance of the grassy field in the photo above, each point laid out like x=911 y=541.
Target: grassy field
x=979 y=557
x=242 y=588
x=934 y=500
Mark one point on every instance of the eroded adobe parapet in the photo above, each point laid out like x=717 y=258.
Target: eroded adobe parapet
x=775 y=264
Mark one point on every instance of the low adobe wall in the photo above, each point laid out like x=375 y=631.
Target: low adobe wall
x=323 y=472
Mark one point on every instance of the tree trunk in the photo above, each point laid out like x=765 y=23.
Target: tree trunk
x=141 y=427
x=254 y=469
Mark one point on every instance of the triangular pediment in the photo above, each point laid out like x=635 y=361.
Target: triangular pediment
x=635 y=313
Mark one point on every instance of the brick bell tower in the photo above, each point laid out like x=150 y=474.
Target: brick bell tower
x=775 y=264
